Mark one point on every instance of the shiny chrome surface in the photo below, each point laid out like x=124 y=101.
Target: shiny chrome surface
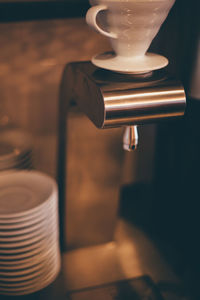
x=130 y=139
x=158 y=101
x=112 y=100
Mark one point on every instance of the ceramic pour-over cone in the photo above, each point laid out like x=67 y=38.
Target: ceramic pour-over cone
x=131 y=26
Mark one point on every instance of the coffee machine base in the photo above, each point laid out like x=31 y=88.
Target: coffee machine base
x=130 y=256
x=137 y=288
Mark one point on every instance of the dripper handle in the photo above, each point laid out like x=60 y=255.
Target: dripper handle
x=91 y=19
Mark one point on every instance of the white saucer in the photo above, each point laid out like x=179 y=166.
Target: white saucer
x=41 y=243
x=30 y=261
x=23 y=193
x=31 y=274
x=28 y=252
x=43 y=265
x=136 y=65
x=43 y=230
x=33 y=285
x=27 y=221
x=12 y=231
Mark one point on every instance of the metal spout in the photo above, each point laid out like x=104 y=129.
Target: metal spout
x=130 y=138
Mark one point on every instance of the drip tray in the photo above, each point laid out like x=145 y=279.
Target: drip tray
x=141 y=288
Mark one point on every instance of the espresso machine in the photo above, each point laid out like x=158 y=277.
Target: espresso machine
x=106 y=253
x=120 y=140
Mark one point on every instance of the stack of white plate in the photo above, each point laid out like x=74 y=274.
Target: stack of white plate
x=15 y=150
x=29 y=236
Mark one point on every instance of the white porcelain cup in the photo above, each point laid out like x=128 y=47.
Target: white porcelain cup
x=131 y=25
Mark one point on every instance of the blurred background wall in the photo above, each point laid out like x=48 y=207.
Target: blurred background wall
x=32 y=58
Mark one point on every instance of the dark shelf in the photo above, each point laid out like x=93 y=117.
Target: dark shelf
x=13 y=11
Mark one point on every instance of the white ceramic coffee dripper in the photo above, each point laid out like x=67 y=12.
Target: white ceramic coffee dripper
x=131 y=25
